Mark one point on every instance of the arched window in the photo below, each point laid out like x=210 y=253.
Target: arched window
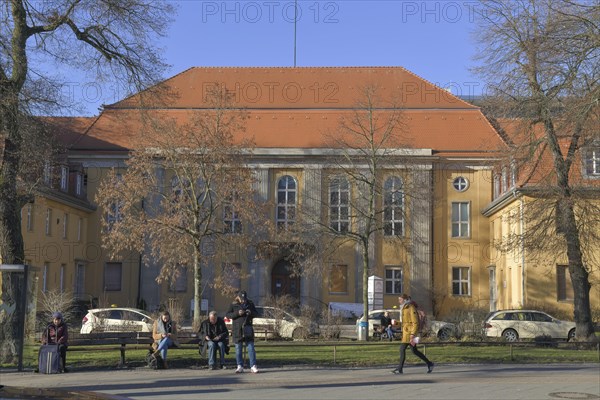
x=339 y=204
x=393 y=207
x=286 y=201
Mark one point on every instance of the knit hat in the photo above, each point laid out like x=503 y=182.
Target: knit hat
x=57 y=315
x=243 y=295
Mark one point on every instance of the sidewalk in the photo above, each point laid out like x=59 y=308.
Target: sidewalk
x=465 y=382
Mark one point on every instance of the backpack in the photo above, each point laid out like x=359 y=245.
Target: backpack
x=423 y=323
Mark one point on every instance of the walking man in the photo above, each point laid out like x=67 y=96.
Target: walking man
x=410 y=328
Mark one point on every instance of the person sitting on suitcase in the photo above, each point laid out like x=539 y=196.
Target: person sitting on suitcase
x=164 y=333
x=58 y=333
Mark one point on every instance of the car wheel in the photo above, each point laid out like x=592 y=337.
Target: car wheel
x=571 y=335
x=444 y=334
x=300 y=333
x=510 y=335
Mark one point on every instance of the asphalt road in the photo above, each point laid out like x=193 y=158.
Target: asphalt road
x=515 y=381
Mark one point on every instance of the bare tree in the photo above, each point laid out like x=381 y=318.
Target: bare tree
x=370 y=186
x=544 y=59
x=99 y=36
x=186 y=189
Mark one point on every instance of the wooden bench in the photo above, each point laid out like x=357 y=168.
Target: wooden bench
x=78 y=342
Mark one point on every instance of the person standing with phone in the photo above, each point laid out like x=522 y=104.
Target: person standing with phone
x=241 y=312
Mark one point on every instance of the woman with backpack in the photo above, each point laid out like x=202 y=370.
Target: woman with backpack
x=410 y=328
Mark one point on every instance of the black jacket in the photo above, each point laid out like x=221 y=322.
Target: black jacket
x=238 y=321
x=217 y=331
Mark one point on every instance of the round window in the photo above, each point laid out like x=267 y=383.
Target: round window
x=460 y=184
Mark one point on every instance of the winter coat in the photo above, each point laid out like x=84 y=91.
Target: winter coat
x=160 y=329
x=410 y=321
x=56 y=334
x=212 y=331
x=238 y=321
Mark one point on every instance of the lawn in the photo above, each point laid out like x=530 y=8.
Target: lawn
x=342 y=353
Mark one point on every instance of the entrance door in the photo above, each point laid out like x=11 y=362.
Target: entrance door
x=282 y=283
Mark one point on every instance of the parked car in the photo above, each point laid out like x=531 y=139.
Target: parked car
x=275 y=322
x=513 y=325
x=116 y=320
x=439 y=329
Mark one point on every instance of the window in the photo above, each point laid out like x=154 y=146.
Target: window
x=461 y=281
x=504 y=180
x=286 y=202
x=564 y=288
x=592 y=161
x=78 y=184
x=513 y=174
x=460 y=219
x=79 y=226
x=48 y=174
x=231 y=218
x=393 y=280
x=48 y=221
x=30 y=217
x=64 y=178
x=232 y=274
x=460 y=184
x=45 y=277
x=393 y=204
x=65 y=225
x=339 y=200
x=62 y=277
x=181 y=280
x=112 y=276
x=114 y=214
x=338 y=279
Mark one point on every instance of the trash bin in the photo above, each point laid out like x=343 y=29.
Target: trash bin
x=363 y=329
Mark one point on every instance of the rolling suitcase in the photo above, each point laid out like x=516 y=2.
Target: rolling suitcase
x=49 y=359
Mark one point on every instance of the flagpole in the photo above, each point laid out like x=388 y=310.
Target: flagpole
x=295 y=22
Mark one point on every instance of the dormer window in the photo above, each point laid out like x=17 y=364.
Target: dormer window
x=78 y=184
x=64 y=178
x=48 y=173
x=592 y=162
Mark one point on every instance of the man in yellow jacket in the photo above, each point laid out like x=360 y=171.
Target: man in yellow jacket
x=410 y=328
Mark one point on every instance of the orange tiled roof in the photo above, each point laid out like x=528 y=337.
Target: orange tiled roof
x=298 y=107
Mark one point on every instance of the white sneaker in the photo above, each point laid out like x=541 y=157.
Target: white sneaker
x=239 y=369
x=254 y=369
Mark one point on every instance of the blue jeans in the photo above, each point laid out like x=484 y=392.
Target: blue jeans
x=251 y=353
x=212 y=352
x=390 y=332
x=163 y=345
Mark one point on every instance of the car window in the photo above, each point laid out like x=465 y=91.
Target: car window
x=133 y=316
x=505 y=317
x=260 y=312
x=541 y=317
x=376 y=315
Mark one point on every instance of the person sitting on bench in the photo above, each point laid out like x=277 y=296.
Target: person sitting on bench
x=214 y=334
x=164 y=334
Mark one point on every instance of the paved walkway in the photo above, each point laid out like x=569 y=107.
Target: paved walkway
x=515 y=381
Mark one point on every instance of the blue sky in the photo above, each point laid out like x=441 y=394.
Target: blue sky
x=431 y=38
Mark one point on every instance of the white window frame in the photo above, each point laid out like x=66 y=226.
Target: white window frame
x=460 y=184
x=64 y=178
x=62 y=277
x=78 y=184
x=65 y=226
x=231 y=218
x=285 y=212
x=339 y=204
x=592 y=162
x=48 y=222
x=392 y=279
x=29 y=217
x=461 y=280
x=460 y=221
x=48 y=173
x=79 y=226
x=45 y=273
x=393 y=207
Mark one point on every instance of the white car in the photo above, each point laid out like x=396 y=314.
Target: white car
x=116 y=320
x=513 y=325
x=439 y=329
x=275 y=322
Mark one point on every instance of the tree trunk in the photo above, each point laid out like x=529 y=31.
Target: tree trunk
x=579 y=275
x=11 y=240
x=197 y=286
